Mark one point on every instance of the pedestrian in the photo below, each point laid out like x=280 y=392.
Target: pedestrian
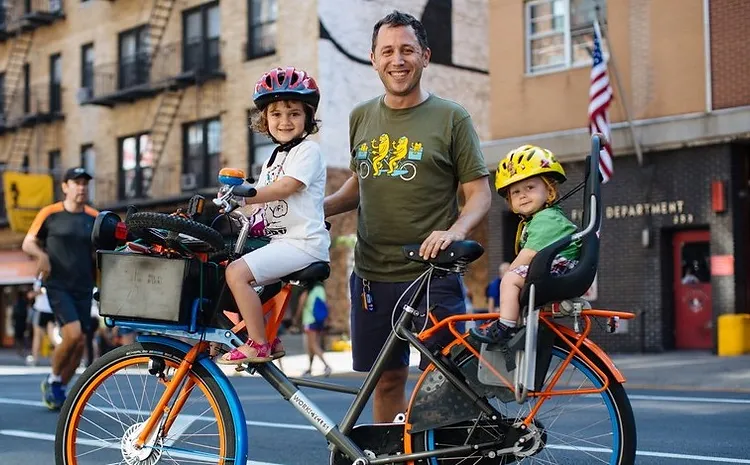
x=493 y=288
x=411 y=150
x=528 y=178
x=314 y=317
x=44 y=323
x=290 y=195
x=60 y=240
x=20 y=317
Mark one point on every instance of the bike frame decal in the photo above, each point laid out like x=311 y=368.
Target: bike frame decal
x=312 y=412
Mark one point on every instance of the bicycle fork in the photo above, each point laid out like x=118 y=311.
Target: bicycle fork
x=163 y=407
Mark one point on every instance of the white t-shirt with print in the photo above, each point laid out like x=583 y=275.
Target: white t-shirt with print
x=299 y=219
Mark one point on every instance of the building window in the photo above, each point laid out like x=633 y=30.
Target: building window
x=55 y=83
x=54 y=165
x=87 y=67
x=88 y=162
x=3 y=213
x=261 y=34
x=559 y=33
x=201 y=159
x=134 y=58
x=2 y=100
x=135 y=167
x=259 y=149
x=201 y=41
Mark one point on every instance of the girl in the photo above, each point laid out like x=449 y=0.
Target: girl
x=290 y=191
x=528 y=178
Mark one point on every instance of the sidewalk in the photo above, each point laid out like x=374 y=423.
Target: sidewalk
x=688 y=370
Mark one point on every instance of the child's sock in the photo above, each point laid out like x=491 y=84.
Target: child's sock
x=507 y=323
x=54 y=378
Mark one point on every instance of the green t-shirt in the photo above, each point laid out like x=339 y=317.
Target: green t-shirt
x=410 y=163
x=546 y=227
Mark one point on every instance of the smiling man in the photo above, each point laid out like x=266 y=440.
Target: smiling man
x=410 y=152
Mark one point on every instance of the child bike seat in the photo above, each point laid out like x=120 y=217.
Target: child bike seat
x=574 y=283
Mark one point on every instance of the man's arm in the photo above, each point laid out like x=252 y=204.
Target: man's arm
x=31 y=246
x=343 y=200
x=478 y=198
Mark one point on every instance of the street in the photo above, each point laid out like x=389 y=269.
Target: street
x=688 y=409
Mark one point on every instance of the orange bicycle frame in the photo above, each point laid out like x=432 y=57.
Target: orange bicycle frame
x=573 y=340
x=273 y=310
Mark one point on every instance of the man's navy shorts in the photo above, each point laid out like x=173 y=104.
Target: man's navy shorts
x=69 y=306
x=371 y=329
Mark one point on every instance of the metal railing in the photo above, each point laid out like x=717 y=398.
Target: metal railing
x=39 y=100
x=142 y=71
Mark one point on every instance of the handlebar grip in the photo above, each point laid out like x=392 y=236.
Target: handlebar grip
x=244 y=190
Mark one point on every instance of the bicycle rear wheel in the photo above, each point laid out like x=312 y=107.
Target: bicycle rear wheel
x=577 y=429
x=112 y=400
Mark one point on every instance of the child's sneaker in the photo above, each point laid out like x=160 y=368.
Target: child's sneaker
x=496 y=333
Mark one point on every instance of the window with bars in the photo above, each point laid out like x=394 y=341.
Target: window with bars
x=559 y=33
x=261 y=34
x=87 y=67
x=134 y=59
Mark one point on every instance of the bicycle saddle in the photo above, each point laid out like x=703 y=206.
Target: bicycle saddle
x=459 y=251
x=317 y=271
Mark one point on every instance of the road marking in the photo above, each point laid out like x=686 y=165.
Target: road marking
x=89 y=442
x=706 y=400
x=667 y=455
x=264 y=424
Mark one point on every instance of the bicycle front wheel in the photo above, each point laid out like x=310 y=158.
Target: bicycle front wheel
x=113 y=399
x=572 y=429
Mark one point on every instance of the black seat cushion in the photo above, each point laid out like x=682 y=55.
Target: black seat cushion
x=457 y=252
x=317 y=271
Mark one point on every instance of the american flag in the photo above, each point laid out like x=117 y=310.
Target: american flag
x=600 y=96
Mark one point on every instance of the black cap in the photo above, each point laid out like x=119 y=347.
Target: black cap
x=76 y=173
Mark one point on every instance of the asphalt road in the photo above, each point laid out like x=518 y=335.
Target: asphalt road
x=675 y=426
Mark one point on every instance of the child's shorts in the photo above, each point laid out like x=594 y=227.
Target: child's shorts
x=560 y=266
x=276 y=260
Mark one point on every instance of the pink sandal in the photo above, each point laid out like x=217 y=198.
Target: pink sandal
x=277 y=349
x=236 y=357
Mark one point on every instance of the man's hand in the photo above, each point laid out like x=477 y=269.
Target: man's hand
x=42 y=265
x=437 y=241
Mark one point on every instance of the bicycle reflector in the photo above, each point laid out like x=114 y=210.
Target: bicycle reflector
x=109 y=231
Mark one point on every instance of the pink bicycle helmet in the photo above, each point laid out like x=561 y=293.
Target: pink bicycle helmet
x=283 y=84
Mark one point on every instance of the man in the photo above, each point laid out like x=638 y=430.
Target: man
x=493 y=289
x=60 y=240
x=402 y=203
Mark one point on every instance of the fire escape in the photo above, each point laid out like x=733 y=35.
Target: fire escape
x=19 y=110
x=169 y=104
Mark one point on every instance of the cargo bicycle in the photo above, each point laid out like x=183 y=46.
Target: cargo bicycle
x=164 y=400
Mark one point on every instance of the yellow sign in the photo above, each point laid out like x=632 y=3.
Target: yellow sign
x=25 y=195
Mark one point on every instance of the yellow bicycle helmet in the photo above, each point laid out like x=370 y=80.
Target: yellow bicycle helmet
x=524 y=162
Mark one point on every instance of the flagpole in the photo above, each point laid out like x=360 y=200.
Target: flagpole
x=636 y=142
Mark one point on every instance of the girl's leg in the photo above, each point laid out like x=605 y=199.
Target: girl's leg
x=238 y=278
x=317 y=349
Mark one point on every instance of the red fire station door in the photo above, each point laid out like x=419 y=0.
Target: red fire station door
x=692 y=290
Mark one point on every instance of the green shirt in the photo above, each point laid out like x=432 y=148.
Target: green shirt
x=317 y=292
x=546 y=227
x=410 y=162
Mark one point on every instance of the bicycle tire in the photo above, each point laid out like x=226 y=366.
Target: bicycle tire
x=121 y=355
x=141 y=221
x=615 y=393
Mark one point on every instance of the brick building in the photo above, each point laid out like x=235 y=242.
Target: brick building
x=153 y=96
x=682 y=67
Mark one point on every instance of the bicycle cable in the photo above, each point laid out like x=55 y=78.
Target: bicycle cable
x=395 y=307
